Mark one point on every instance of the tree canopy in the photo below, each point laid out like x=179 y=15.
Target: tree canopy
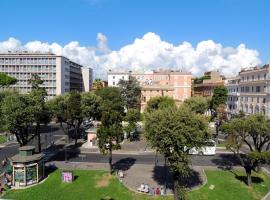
x=110 y=132
x=173 y=132
x=97 y=84
x=220 y=96
x=157 y=103
x=197 y=104
x=254 y=133
x=131 y=91
x=71 y=109
x=6 y=80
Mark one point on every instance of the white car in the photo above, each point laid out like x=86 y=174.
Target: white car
x=209 y=148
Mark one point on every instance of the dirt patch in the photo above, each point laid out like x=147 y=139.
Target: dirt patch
x=103 y=181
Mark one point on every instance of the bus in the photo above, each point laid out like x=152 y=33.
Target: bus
x=209 y=148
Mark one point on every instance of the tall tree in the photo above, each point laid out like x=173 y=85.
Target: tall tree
x=132 y=117
x=110 y=132
x=6 y=80
x=253 y=132
x=71 y=109
x=220 y=96
x=75 y=117
x=131 y=91
x=41 y=113
x=157 y=103
x=18 y=117
x=197 y=104
x=97 y=84
x=173 y=132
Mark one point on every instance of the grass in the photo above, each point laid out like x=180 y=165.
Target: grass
x=98 y=185
x=3 y=139
x=231 y=185
x=90 y=185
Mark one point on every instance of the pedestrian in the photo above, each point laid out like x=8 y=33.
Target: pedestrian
x=157 y=191
x=162 y=192
x=154 y=191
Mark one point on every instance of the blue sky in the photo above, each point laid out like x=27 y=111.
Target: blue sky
x=229 y=22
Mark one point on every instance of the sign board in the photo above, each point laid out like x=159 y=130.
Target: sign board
x=67 y=176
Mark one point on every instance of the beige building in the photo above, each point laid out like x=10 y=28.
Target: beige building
x=151 y=91
x=205 y=86
x=176 y=84
x=250 y=91
x=59 y=74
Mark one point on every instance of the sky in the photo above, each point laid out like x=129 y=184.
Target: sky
x=191 y=35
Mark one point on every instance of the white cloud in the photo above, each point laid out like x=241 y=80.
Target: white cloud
x=147 y=53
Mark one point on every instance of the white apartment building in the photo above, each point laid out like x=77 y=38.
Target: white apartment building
x=59 y=74
x=250 y=91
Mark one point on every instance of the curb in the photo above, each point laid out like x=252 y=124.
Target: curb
x=267 y=196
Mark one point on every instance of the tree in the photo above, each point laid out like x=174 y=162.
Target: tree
x=219 y=97
x=41 y=113
x=71 y=109
x=6 y=80
x=132 y=117
x=110 y=132
x=97 y=84
x=90 y=106
x=173 y=132
x=131 y=91
x=162 y=102
x=18 y=117
x=254 y=132
x=197 y=104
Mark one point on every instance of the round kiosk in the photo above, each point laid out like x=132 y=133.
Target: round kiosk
x=28 y=167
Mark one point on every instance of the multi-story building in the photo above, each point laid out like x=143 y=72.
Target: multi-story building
x=205 y=85
x=176 y=84
x=232 y=84
x=59 y=74
x=252 y=89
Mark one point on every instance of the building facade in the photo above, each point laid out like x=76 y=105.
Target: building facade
x=205 y=85
x=59 y=74
x=250 y=91
x=175 y=84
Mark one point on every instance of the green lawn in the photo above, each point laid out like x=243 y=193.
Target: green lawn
x=97 y=185
x=229 y=185
x=3 y=139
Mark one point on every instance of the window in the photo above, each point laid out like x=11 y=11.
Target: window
x=252 y=89
x=258 y=89
x=264 y=76
x=113 y=83
x=113 y=77
x=259 y=77
x=123 y=77
x=144 y=99
x=247 y=78
x=258 y=99
x=252 y=77
x=264 y=100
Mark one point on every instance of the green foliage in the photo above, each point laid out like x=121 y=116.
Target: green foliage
x=132 y=117
x=6 y=80
x=131 y=91
x=73 y=108
x=173 y=132
x=219 y=97
x=162 y=102
x=253 y=131
x=18 y=116
x=90 y=105
x=110 y=132
x=197 y=104
x=97 y=84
